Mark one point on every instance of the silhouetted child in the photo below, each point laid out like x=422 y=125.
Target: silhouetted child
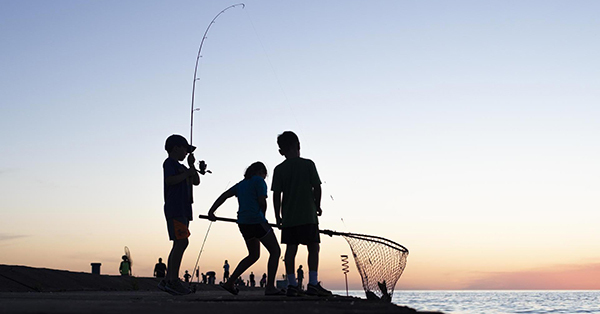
x=160 y=269
x=125 y=266
x=178 y=181
x=187 y=276
x=297 y=183
x=251 y=193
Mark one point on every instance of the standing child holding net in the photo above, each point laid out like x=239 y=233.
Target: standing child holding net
x=297 y=202
x=252 y=198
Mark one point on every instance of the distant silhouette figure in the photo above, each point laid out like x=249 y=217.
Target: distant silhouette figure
x=125 y=267
x=178 y=181
x=211 y=276
x=204 y=278
x=187 y=276
x=252 y=281
x=225 y=271
x=263 y=281
x=300 y=276
x=251 y=193
x=160 y=269
x=297 y=202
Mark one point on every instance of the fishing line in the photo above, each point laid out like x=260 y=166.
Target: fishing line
x=274 y=72
x=201 y=249
x=204 y=242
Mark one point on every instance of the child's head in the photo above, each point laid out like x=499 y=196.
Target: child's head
x=256 y=169
x=124 y=257
x=178 y=147
x=288 y=141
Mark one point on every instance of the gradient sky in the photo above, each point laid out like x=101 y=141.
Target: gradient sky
x=465 y=130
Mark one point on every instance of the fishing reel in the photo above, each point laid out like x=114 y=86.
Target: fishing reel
x=202 y=168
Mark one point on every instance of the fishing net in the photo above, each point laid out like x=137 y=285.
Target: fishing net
x=380 y=263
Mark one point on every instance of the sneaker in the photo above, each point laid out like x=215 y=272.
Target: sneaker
x=176 y=288
x=317 y=290
x=274 y=292
x=232 y=290
x=294 y=291
x=162 y=285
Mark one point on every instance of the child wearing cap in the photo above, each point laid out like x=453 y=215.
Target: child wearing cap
x=178 y=181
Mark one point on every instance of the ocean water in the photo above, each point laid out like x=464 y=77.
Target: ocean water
x=497 y=301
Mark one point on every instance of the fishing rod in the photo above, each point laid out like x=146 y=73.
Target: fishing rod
x=196 y=78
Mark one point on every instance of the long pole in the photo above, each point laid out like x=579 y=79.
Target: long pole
x=330 y=233
x=196 y=67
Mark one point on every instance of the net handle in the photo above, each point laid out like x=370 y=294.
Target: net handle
x=324 y=231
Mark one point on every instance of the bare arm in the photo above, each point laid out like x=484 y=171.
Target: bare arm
x=178 y=178
x=277 y=206
x=317 y=195
x=227 y=194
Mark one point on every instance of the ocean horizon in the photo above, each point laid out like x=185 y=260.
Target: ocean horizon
x=495 y=301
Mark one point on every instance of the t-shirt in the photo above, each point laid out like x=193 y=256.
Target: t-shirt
x=296 y=177
x=178 y=197
x=247 y=193
x=124 y=268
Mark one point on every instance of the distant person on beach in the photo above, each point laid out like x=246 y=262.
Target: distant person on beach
x=297 y=202
x=160 y=269
x=204 y=278
x=178 y=181
x=263 y=280
x=252 y=280
x=187 y=276
x=211 y=277
x=300 y=276
x=225 y=271
x=251 y=193
x=125 y=267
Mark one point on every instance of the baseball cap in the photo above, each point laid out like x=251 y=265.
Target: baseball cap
x=178 y=140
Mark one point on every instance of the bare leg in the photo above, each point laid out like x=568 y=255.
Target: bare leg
x=175 y=257
x=253 y=246
x=313 y=256
x=270 y=243
x=290 y=258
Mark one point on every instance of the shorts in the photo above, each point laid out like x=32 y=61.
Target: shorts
x=258 y=231
x=178 y=228
x=303 y=234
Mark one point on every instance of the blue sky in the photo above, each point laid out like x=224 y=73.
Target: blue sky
x=464 y=130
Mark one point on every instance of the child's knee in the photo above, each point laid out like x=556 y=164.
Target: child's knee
x=314 y=247
x=275 y=251
x=181 y=243
x=254 y=256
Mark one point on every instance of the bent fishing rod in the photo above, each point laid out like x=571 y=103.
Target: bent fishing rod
x=196 y=78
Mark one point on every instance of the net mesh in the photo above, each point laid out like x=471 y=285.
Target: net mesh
x=380 y=263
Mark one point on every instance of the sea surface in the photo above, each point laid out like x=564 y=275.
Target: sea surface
x=496 y=301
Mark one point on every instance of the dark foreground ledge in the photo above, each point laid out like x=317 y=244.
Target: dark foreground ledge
x=35 y=290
